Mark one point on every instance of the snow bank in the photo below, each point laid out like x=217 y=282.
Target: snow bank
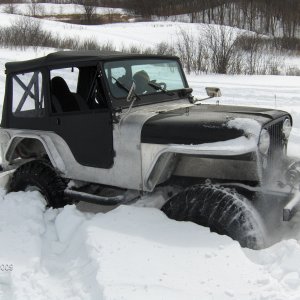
x=131 y=253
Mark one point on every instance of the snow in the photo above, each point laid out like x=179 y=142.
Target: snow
x=120 y=34
x=132 y=253
x=237 y=146
x=136 y=252
x=249 y=126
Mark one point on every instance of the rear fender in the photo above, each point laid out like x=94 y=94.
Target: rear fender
x=45 y=145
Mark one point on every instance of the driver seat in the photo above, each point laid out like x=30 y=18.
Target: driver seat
x=62 y=93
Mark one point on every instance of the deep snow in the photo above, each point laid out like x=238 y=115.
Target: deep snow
x=136 y=252
x=132 y=253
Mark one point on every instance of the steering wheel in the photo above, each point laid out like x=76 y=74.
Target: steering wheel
x=163 y=85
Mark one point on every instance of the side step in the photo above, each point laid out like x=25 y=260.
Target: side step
x=101 y=200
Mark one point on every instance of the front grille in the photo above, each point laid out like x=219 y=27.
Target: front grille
x=277 y=143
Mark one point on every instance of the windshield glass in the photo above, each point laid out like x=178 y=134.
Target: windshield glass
x=155 y=77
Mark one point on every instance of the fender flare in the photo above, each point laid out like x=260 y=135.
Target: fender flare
x=46 y=142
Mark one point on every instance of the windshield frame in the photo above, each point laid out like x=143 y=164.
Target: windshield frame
x=146 y=99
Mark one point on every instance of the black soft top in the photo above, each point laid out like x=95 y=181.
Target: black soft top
x=67 y=57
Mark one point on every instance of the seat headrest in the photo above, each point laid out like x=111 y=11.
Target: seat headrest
x=59 y=86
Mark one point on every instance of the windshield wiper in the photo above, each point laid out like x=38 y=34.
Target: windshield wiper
x=123 y=87
x=120 y=84
x=157 y=87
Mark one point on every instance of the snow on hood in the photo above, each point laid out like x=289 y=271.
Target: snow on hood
x=249 y=126
x=131 y=253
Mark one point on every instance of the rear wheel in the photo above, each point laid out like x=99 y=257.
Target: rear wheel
x=40 y=175
x=222 y=210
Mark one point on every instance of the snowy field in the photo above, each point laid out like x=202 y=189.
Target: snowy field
x=142 y=35
x=135 y=252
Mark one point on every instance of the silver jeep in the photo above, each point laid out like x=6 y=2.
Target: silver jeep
x=108 y=128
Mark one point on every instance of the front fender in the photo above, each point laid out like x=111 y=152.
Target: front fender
x=159 y=162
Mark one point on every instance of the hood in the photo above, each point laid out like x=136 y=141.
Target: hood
x=203 y=124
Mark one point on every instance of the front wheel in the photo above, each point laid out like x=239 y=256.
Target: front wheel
x=40 y=175
x=224 y=211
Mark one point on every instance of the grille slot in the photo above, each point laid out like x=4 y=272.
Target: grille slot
x=277 y=144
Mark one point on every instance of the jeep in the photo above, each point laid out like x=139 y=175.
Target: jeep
x=111 y=128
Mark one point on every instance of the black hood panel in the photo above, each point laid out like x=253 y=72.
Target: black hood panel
x=202 y=124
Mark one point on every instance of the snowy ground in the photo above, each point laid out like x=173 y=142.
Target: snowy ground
x=136 y=252
x=132 y=253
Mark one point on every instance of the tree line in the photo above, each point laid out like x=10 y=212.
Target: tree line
x=275 y=17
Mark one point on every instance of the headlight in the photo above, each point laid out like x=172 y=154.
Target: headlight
x=264 y=141
x=286 y=128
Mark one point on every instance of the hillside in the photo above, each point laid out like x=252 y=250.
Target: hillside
x=202 y=48
x=276 y=17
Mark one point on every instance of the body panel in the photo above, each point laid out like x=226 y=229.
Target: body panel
x=131 y=154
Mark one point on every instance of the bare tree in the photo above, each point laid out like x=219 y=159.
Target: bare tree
x=201 y=58
x=221 y=43
x=164 y=48
x=10 y=8
x=25 y=32
x=34 y=8
x=186 y=47
x=89 y=8
x=110 y=14
x=253 y=47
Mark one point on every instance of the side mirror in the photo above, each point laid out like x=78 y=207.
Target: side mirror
x=213 y=92
x=131 y=92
